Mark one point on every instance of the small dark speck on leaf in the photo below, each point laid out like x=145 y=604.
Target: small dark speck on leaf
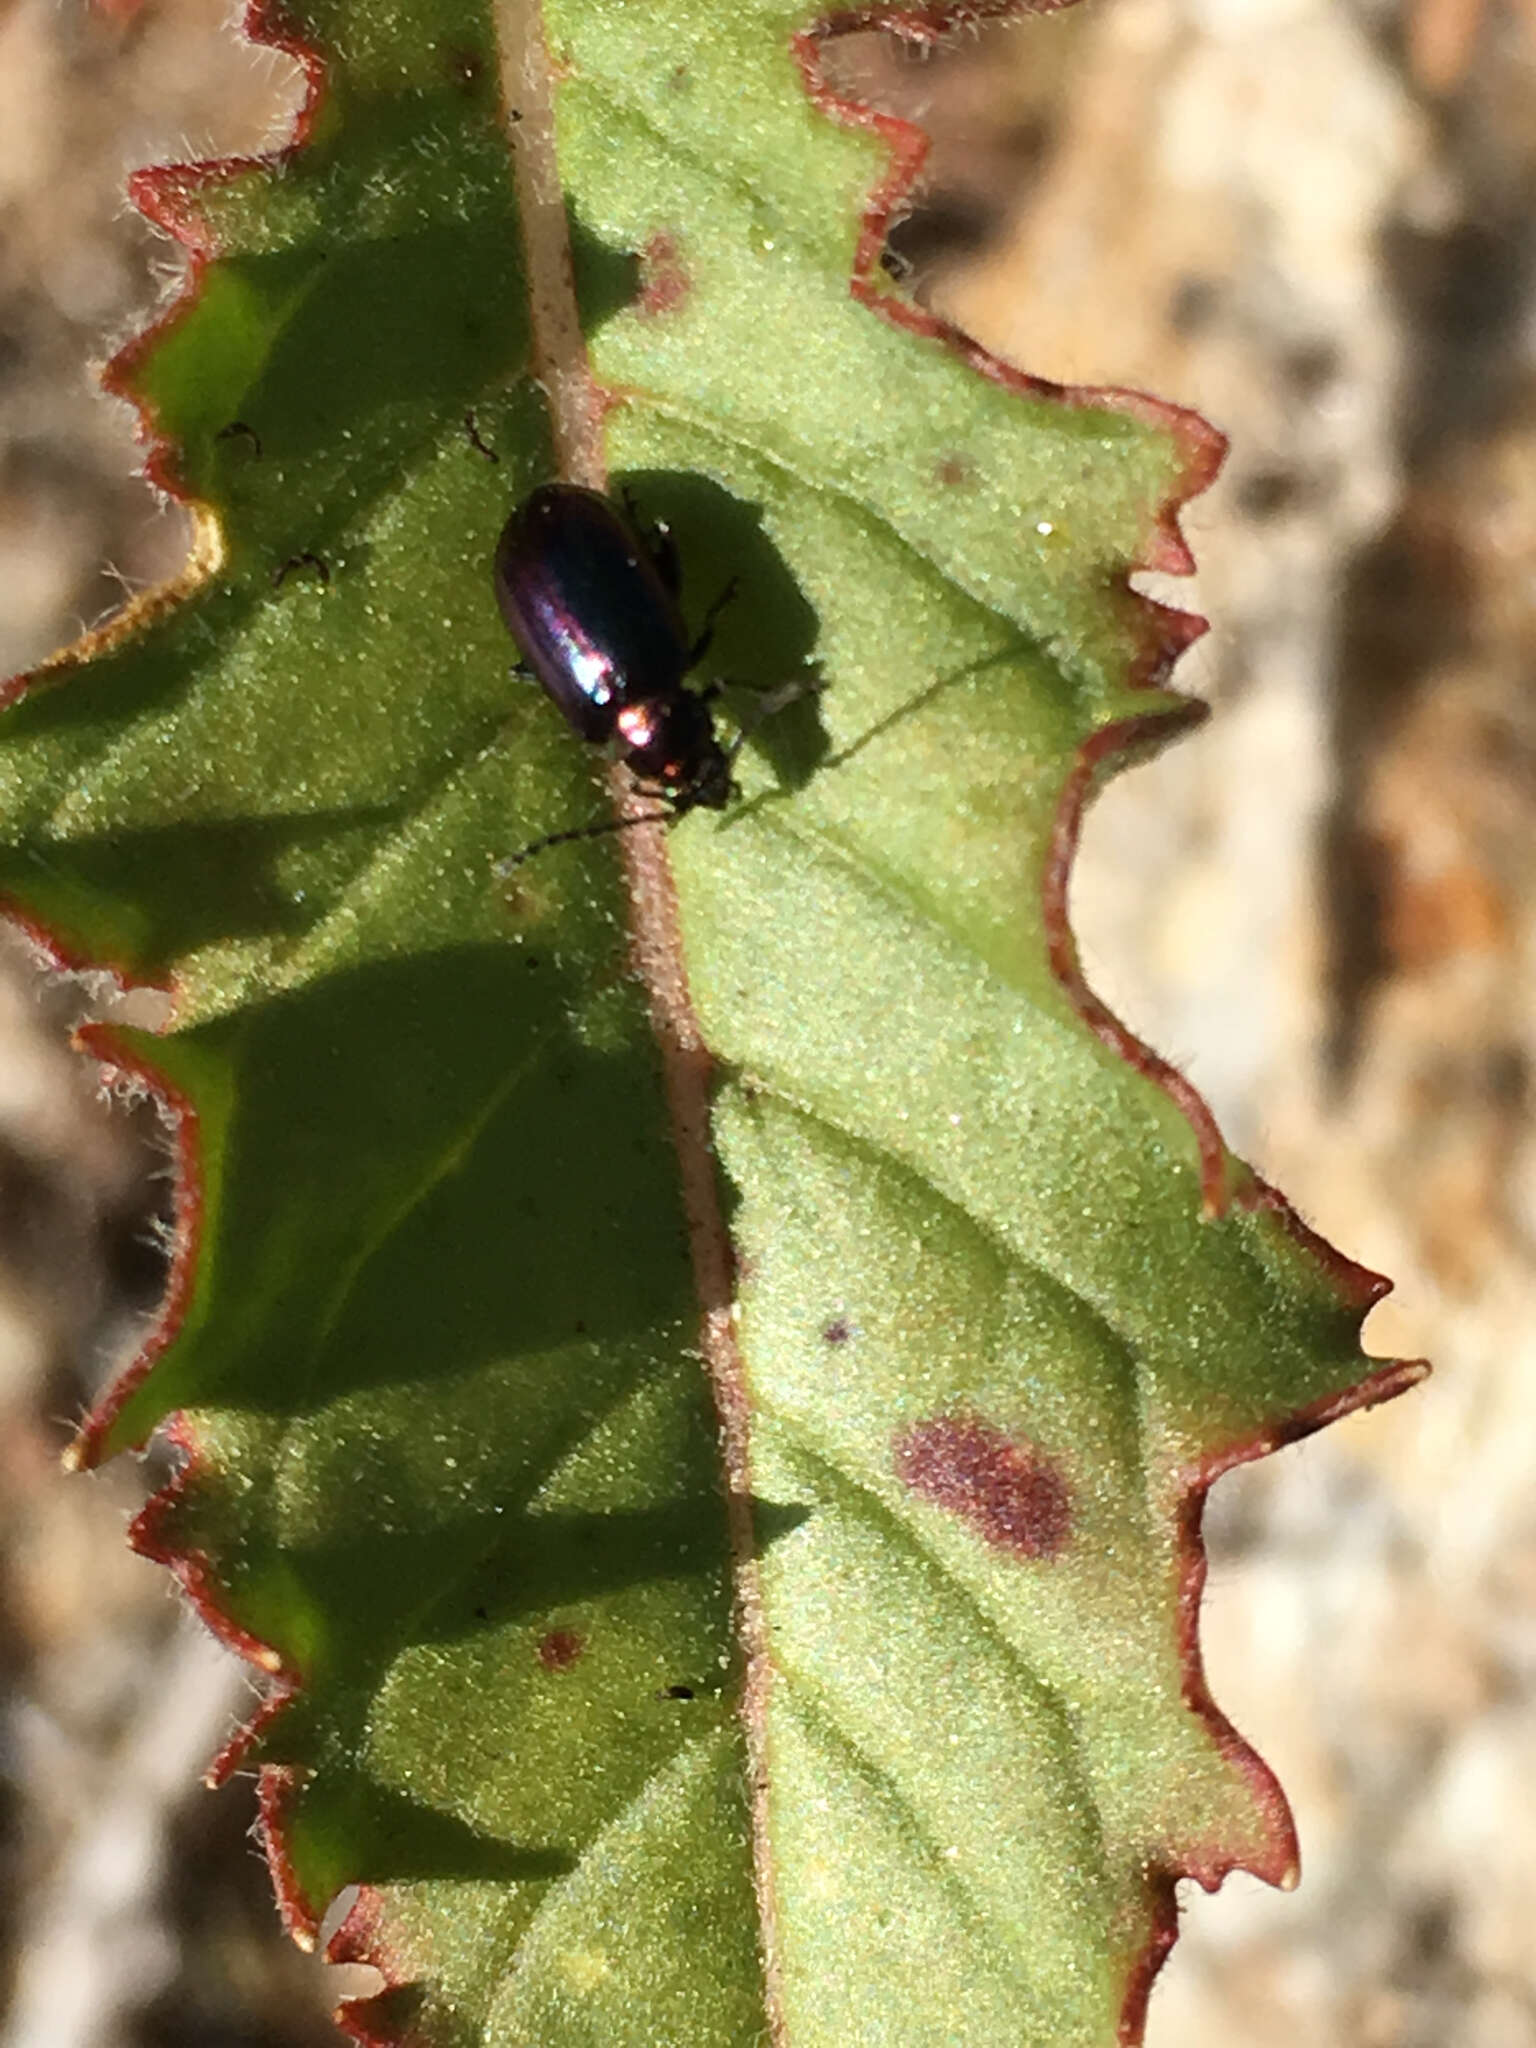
x=954 y=470
x=559 y=1649
x=481 y=1613
x=838 y=1331
x=247 y=436
x=472 y=429
x=1010 y=1494
x=676 y=1692
x=305 y=559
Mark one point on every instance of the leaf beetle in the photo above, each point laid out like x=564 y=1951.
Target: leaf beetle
x=593 y=604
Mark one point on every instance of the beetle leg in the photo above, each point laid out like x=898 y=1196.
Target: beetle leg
x=658 y=792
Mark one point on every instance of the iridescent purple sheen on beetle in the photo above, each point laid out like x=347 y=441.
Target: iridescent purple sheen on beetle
x=593 y=604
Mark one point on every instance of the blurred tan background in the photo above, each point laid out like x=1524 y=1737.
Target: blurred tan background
x=1313 y=220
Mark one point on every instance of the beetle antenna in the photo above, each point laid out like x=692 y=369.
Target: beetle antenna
x=502 y=868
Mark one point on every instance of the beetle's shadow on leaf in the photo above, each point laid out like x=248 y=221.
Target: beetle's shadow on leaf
x=920 y=699
x=607 y=279
x=765 y=633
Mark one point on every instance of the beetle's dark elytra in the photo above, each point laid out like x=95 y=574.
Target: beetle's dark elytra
x=592 y=602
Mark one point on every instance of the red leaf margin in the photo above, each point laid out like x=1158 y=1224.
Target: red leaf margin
x=168 y=195
x=1164 y=633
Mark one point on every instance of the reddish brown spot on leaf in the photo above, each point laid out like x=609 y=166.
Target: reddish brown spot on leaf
x=664 y=282
x=954 y=470
x=559 y=1649
x=1012 y=1495
x=837 y=1331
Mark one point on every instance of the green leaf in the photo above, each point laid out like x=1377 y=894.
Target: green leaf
x=839 y=1684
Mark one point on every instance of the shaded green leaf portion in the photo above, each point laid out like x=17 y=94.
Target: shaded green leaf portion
x=454 y=1455
x=454 y=1458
